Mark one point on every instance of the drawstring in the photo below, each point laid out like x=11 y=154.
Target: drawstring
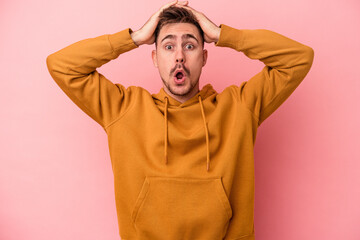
x=206 y=133
x=166 y=129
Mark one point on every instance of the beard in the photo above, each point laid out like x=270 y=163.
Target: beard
x=184 y=91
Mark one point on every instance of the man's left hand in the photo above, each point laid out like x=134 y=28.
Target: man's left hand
x=211 y=31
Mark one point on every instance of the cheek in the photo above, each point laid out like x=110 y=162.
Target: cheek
x=164 y=67
x=197 y=63
x=162 y=60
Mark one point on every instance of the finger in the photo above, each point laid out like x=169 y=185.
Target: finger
x=170 y=4
x=187 y=7
x=196 y=13
x=183 y=3
x=166 y=6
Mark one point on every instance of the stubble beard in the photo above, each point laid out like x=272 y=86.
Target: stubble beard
x=184 y=92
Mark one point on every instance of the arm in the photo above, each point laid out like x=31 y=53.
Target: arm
x=74 y=70
x=287 y=63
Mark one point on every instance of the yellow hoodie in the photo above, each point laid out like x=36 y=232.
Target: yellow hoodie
x=183 y=171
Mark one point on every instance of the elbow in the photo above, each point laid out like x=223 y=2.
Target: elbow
x=53 y=66
x=303 y=65
x=306 y=63
x=50 y=62
x=309 y=56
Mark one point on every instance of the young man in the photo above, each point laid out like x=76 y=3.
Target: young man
x=182 y=158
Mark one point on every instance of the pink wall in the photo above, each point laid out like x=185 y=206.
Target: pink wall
x=55 y=174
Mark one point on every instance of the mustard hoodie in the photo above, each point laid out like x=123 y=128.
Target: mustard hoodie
x=183 y=171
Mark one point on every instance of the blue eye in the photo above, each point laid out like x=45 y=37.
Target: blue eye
x=189 y=46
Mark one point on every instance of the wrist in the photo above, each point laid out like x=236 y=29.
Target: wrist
x=135 y=38
x=217 y=34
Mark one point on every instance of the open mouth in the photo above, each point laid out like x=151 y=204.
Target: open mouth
x=179 y=77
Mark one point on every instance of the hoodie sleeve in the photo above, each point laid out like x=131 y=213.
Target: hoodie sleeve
x=287 y=63
x=74 y=70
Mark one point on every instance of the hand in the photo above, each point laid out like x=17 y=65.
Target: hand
x=145 y=35
x=211 y=31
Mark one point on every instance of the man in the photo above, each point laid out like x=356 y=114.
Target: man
x=182 y=158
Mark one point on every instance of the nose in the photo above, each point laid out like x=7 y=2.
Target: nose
x=180 y=57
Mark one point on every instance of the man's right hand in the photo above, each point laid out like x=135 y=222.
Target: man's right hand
x=145 y=35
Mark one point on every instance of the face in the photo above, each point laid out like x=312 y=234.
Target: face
x=180 y=56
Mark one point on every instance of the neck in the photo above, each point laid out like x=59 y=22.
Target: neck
x=183 y=98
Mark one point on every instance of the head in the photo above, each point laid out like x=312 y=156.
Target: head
x=179 y=47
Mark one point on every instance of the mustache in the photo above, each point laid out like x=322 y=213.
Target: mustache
x=180 y=66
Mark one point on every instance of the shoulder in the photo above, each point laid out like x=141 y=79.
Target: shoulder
x=132 y=89
x=230 y=92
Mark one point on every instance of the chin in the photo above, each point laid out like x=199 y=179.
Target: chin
x=180 y=90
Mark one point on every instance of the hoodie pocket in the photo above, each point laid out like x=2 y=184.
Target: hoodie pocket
x=181 y=208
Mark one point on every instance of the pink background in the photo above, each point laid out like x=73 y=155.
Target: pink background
x=56 y=179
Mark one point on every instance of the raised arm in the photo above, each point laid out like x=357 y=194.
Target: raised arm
x=287 y=63
x=74 y=70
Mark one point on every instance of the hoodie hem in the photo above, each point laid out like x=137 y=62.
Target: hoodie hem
x=247 y=237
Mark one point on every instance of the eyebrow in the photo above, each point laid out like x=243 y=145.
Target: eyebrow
x=185 y=36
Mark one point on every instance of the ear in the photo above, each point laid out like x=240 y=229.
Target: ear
x=154 y=58
x=205 y=56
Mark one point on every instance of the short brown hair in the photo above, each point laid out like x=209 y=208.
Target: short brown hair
x=174 y=14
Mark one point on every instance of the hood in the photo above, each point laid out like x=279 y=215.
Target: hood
x=204 y=93
x=164 y=100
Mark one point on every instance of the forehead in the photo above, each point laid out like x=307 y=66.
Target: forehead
x=179 y=29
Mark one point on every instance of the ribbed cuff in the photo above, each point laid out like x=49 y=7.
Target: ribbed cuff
x=230 y=37
x=122 y=41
